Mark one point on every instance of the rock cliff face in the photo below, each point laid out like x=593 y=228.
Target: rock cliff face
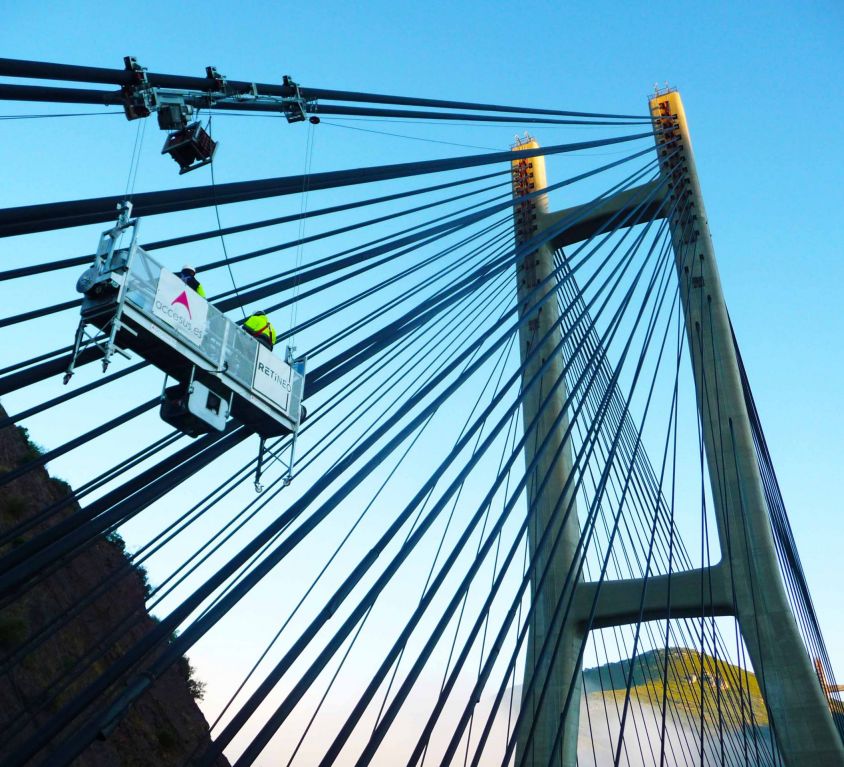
x=50 y=648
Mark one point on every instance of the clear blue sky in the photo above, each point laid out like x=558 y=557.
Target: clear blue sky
x=761 y=87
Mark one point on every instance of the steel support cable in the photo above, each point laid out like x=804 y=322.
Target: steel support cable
x=760 y=673
x=426 y=734
x=494 y=286
x=388 y=305
x=56 y=366
x=507 y=440
x=564 y=312
x=130 y=616
x=719 y=485
x=368 y=345
x=277 y=287
x=484 y=736
x=738 y=719
x=406 y=114
x=57 y=692
x=780 y=524
x=718 y=493
x=44 y=116
x=62 y=398
x=505 y=351
x=359 y=225
x=68 y=523
x=436 y=231
x=91 y=386
x=614 y=406
x=614 y=325
x=495 y=570
x=506 y=386
x=78 y=493
x=40 y=358
x=287 y=620
x=43 y=370
x=442 y=319
x=101 y=681
x=119 y=631
x=570 y=577
x=649 y=560
x=615 y=409
x=72 y=444
x=799 y=596
x=592 y=410
x=64 y=95
x=44 y=217
x=388 y=282
x=647 y=628
x=646 y=471
x=26 y=271
x=566 y=489
x=258 y=743
x=385 y=390
x=127 y=661
x=458 y=598
x=331 y=263
x=337 y=257
x=33 y=375
x=789 y=556
x=26 y=560
x=721 y=496
x=647 y=501
x=104 y=76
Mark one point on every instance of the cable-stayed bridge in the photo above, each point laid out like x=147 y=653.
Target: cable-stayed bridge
x=530 y=518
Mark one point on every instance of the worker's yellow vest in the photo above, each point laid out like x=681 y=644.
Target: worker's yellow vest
x=259 y=325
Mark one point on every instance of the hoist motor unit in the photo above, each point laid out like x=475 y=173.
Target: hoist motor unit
x=194 y=409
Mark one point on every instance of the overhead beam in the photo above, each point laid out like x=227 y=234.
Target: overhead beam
x=687 y=594
x=591 y=219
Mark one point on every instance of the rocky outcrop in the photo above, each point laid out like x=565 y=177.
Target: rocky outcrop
x=71 y=623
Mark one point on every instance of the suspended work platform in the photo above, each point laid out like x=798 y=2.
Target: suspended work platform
x=221 y=371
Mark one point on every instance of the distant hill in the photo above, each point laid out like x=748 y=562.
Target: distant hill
x=692 y=679
x=690 y=676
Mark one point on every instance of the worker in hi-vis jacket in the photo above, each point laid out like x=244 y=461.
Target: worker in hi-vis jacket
x=188 y=276
x=259 y=326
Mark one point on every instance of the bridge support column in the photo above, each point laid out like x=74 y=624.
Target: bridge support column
x=803 y=725
x=529 y=176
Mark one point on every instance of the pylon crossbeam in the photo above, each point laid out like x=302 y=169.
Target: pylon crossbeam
x=659 y=597
x=590 y=219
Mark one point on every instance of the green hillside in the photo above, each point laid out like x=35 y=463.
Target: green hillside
x=693 y=679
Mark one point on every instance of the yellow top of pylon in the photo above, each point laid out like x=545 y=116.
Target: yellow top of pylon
x=529 y=173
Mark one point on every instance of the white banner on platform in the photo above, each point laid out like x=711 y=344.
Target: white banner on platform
x=273 y=379
x=180 y=307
